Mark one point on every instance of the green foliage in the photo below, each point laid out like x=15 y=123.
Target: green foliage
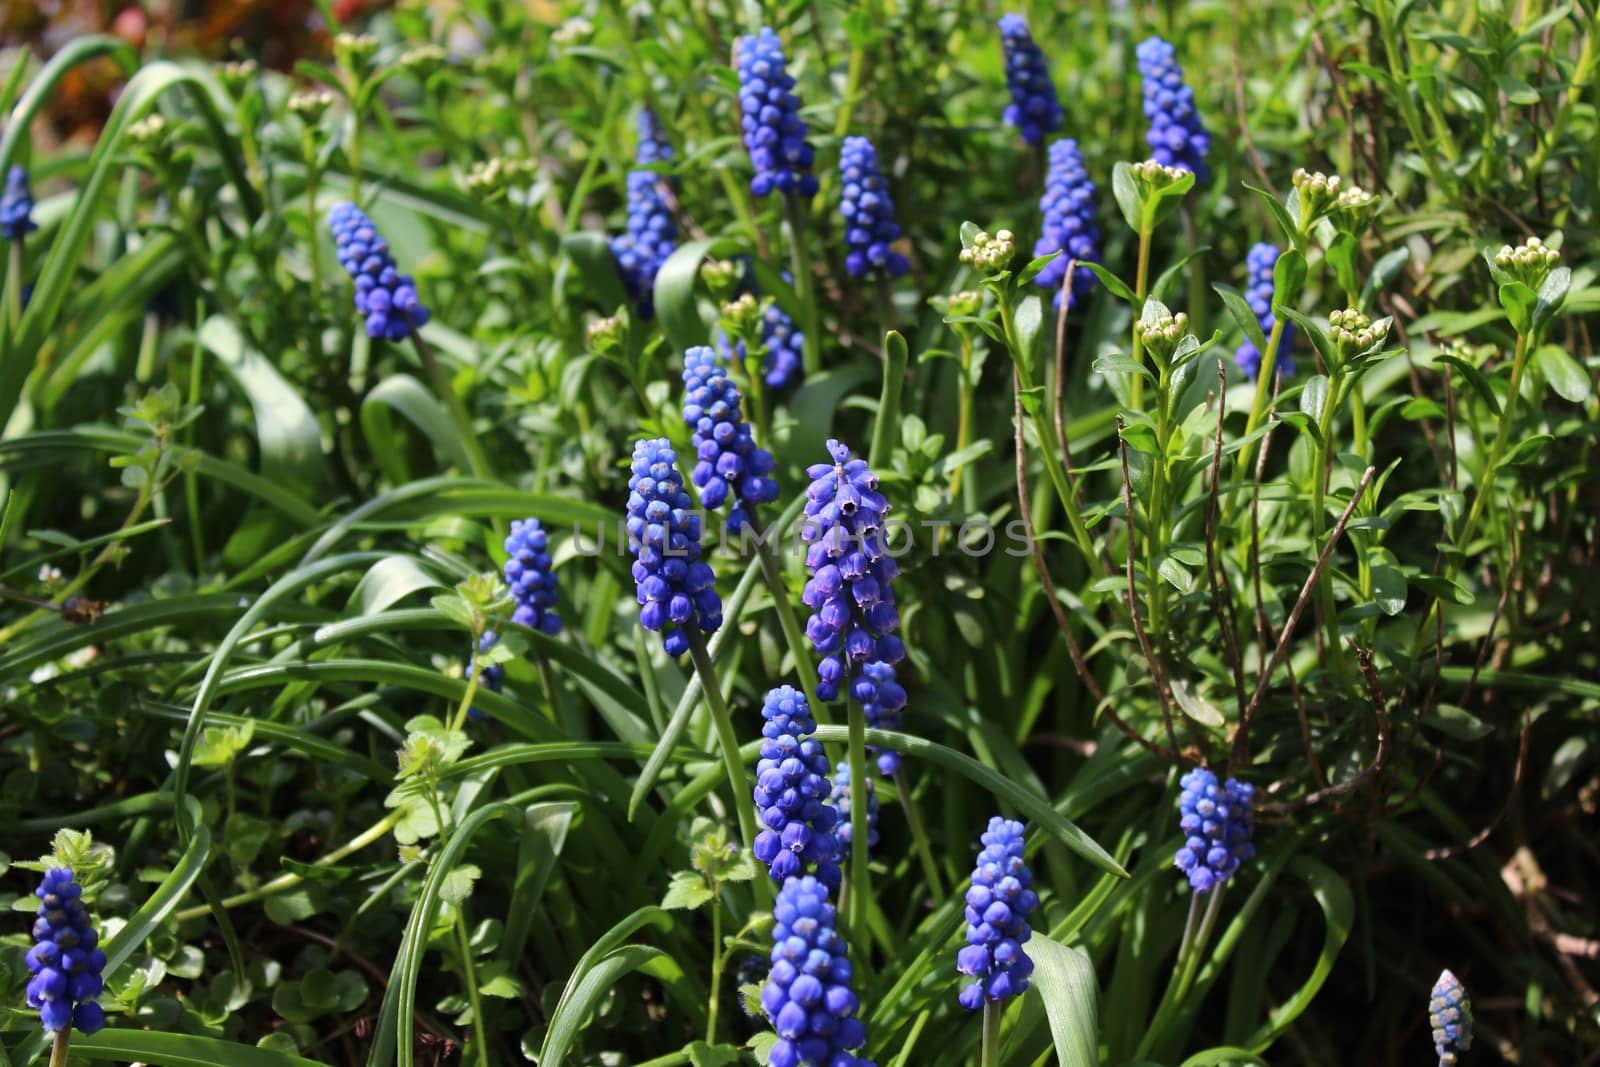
x=247 y=552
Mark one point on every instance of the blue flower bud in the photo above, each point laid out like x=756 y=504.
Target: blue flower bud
x=1450 y=1017
x=675 y=588
x=774 y=133
x=1216 y=819
x=1034 y=110
x=997 y=908
x=16 y=206
x=1176 y=136
x=1259 y=262
x=650 y=238
x=1069 y=227
x=386 y=298
x=807 y=995
x=870 y=229
x=64 y=962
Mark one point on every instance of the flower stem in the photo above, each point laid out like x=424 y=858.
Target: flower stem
x=452 y=402
x=804 y=283
x=990 y=1054
x=727 y=740
x=857 y=739
x=716 y=970
x=1258 y=406
x=58 y=1050
x=480 y=1035
x=289 y=881
x=1141 y=279
x=919 y=835
x=14 y=283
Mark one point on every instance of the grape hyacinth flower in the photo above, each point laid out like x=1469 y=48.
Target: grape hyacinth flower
x=870 y=229
x=16 y=206
x=1259 y=262
x=1068 y=210
x=1176 y=136
x=387 y=298
x=841 y=801
x=1216 y=821
x=650 y=238
x=785 y=347
x=653 y=144
x=774 y=132
x=729 y=464
x=807 y=996
x=494 y=675
x=1034 y=110
x=882 y=698
x=676 y=589
x=791 y=793
x=532 y=580
x=998 y=905
x=851 y=593
x=1450 y=1016
x=64 y=960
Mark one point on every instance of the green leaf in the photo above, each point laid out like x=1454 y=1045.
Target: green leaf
x=590 y=252
x=1034 y=807
x=1457 y=722
x=160 y=904
x=686 y=890
x=1241 y=314
x=1288 y=278
x=599 y=968
x=1332 y=894
x=1291 y=232
x=1552 y=295
x=1519 y=302
x=1341 y=256
x=1126 y=191
x=286 y=429
x=1117 y=286
x=676 y=303
x=403 y=395
x=1064 y=979
x=544 y=835
x=1223 y=1056
x=177 y=1050
x=1169 y=277
x=1475 y=378
x=1389 y=589
x=1314 y=397
x=1565 y=375
x=389 y=581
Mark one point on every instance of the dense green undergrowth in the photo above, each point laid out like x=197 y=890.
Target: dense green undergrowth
x=247 y=550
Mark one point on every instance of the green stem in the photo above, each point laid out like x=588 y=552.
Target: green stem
x=804 y=283
x=1140 y=281
x=14 y=284
x=727 y=740
x=989 y=1056
x=919 y=835
x=1322 y=454
x=1485 y=488
x=716 y=969
x=1581 y=74
x=58 y=1048
x=964 y=417
x=885 y=428
x=1384 y=10
x=480 y=1034
x=1258 y=406
x=856 y=714
x=1155 y=543
x=1052 y=461
x=459 y=719
x=288 y=881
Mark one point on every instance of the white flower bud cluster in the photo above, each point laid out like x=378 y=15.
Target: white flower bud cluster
x=991 y=255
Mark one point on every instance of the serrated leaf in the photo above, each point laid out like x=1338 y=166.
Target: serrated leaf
x=687 y=890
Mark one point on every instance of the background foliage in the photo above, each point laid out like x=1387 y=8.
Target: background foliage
x=233 y=527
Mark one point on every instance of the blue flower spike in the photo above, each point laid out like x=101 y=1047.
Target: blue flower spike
x=851 y=590
x=1177 y=137
x=870 y=229
x=1450 y=1017
x=798 y=825
x=676 y=588
x=653 y=145
x=1216 y=820
x=729 y=466
x=650 y=238
x=999 y=902
x=775 y=135
x=386 y=298
x=1034 y=110
x=532 y=578
x=16 y=206
x=65 y=960
x=841 y=801
x=1069 y=224
x=807 y=996
x=1259 y=263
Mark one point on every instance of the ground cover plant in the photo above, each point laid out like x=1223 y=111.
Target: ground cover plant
x=812 y=534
